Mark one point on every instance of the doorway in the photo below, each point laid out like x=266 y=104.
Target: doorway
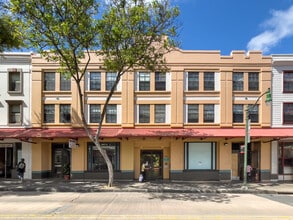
x=154 y=169
x=61 y=157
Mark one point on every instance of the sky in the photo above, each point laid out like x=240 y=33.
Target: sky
x=228 y=25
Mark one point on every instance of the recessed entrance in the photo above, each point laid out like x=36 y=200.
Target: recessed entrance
x=154 y=169
x=61 y=157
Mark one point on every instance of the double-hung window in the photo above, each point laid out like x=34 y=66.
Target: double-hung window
x=49 y=113
x=193 y=81
x=160 y=81
x=15 y=112
x=95 y=81
x=238 y=81
x=110 y=80
x=253 y=81
x=209 y=113
x=288 y=113
x=238 y=113
x=160 y=112
x=209 y=81
x=65 y=83
x=144 y=113
x=65 y=115
x=111 y=113
x=49 y=81
x=253 y=113
x=192 y=113
x=144 y=81
x=288 y=81
x=95 y=113
x=15 y=81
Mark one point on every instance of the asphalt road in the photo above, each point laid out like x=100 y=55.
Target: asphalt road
x=121 y=205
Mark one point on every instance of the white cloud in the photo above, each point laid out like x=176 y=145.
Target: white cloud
x=278 y=27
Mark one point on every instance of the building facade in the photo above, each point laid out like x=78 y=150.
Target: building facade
x=282 y=115
x=15 y=111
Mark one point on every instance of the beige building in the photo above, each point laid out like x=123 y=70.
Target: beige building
x=188 y=123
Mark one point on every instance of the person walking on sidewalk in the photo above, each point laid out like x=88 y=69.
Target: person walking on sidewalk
x=21 y=169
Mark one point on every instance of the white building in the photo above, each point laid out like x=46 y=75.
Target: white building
x=282 y=115
x=15 y=111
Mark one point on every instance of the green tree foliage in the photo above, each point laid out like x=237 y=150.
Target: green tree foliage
x=126 y=34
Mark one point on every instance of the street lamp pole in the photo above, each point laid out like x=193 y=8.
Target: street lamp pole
x=247 y=131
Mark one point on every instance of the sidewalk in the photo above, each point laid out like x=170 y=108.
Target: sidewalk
x=60 y=185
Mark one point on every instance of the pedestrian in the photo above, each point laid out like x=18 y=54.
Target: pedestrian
x=143 y=170
x=248 y=171
x=21 y=169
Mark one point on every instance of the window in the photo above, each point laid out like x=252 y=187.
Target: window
x=288 y=81
x=15 y=81
x=95 y=81
x=237 y=81
x=144 y=81
x=96 y=161
x=160 y=112
x=253 y=81
x=285 y=158
x=200 y=156
x=65 y=116
x=253 y=113
x=49 y=113
x=209 y=81
x=15 y=112
x=95 y=113
x=49 y=81
x=192 y=113
x=209 y=113
x=288 y=113
x=144 y=114
x=111 y=114
x=65 y=83
x=193 y=81
x=110 y=80
x=238 y=113
x=160 y=81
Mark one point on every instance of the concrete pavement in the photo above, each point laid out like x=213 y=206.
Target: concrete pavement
x=60 y=185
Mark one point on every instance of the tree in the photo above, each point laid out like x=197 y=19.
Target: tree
x=127 y=34
x=10 y=36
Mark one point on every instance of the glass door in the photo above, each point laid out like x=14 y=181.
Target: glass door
x=153 y=159
x=61 y=158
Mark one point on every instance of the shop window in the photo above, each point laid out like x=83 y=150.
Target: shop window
x=200 y=156
x=209 y=81
x=238 y=81
x=209 y=113
x=253 y=113
x=288 y=81
x=160 y=81
x=237 y=113
x=285 y=158
x=111 y=114
x=65 y=116
x=96 y=162
x=49 y=113
x=253 y=81
x=144 y=81
x=160 y=113
x=288 y=113
x=144 y=114
x=193 y=81
x=192 y=113
x=49 y=81
x=110 y=80
x=95 y=81
x=95 y=113
x=15 y=112
x=14 y=81
x=65 y=83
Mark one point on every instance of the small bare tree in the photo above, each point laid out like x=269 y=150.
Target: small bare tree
x=128 y=34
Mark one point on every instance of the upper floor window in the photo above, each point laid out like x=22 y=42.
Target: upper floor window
x=65 y=115
x=49 y=81
x=160 y=112
x=193 y=81
x=209 y=81
x=238 y=113
x=95 y=81
x=110 y=80
x=209 y=113
x=192 y=113
x=160 y=81
x=49 y=113
x=253 y=81
x=111 y=113
x=14 y=81
x=95 y=113
x=144 y=113
x=288 y=81
x=15 y=112
x=65 y=83
x=237 y=81
x=288 y=113
x=253 y=113
x=144 y=81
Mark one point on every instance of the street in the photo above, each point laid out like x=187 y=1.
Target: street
x=133 y=205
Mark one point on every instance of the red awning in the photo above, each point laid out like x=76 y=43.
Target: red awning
x=22 y=133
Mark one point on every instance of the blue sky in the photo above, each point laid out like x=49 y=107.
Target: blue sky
x=228 y=25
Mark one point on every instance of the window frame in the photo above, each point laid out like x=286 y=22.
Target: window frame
x=62 y=117
x=15 y=114
x=95 y=81
x=209 y=81
x=192 y=81
x=238 y=82
x=253 y=81
x=191 y=112
x=14 y=83
x=160 y=113
x=286 y=121
x=289 y=82
x=45 y=114
x=208 y=113
x=111 y=114
x=254 y=113
x=144 y=113
x=160 y=81
x=65 y=83
x=144 y=81
x=238 y=112
x=49 y=83
x=95 y=116
x=110 y=80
